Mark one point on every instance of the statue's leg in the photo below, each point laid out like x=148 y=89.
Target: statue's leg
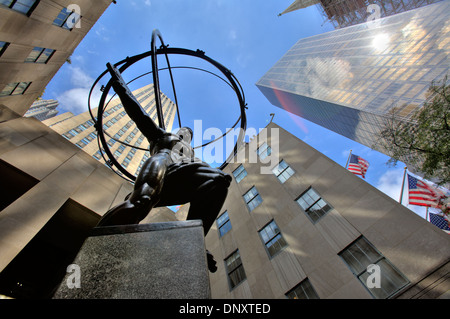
x=144 y=197
x=131 y=211
x=208 y=201
x=204 y=187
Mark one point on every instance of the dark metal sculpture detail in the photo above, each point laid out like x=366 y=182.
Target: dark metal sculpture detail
x=172 y=175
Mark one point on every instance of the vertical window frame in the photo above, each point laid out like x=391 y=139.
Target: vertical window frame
x=14 y=91
x=67 y=14
x=239 y=268
x=223 y=226
x=379 y=259
x=308 y=211
x=38 y=57
x=264 y=152
x=282 y=172
x=257 y=196
x=14 y=2
x=239 y=173
x=4 y=47
x=280 y=241
x=305 y=286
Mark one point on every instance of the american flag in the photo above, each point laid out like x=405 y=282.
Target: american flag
x=422 y=194
x=439 y=221
x=357 y=165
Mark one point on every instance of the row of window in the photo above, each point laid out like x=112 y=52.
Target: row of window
x=15 y=88
x=77 y=130
x=86 y=140
x=311 y=202
x=23 y=6
x=66 y=19
x=358 y=255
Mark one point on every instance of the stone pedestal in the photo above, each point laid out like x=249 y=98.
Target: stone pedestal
x=154 y=261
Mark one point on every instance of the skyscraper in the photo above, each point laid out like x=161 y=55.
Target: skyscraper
x=344 y=13
x=43 y=109
x=312 y=229
x=120 y=130
x=349 y=80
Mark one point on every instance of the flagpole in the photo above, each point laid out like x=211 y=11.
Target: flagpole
x=348 y=159
x=426 y=217
x=403 y=186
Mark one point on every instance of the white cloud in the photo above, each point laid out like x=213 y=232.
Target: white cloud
x=148 y=3
x=75 y=100
x=80 y=78
x=390 y=183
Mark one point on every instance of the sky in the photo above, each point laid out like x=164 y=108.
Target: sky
x=246 y=36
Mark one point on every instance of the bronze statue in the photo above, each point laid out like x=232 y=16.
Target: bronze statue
x=171 y=176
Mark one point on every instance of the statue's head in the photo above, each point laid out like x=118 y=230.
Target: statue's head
x=185 y=133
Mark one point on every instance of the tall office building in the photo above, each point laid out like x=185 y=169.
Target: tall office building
x=349 y=80
x=120 y=130
x=36 y=38
x=43 y=109
x=344 y=13
x=312 y=229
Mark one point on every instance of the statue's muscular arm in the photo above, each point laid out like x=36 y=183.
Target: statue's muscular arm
x=134 y=110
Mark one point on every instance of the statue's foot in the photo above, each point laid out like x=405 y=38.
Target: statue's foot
x=212 y=264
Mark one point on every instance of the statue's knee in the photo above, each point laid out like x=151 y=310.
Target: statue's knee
x=142 y=195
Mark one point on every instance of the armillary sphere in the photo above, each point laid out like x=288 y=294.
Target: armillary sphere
x=153 y=54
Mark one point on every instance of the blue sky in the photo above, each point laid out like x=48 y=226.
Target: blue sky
x=246 y=36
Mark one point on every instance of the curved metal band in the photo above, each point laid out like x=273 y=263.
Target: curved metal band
x=126 y=63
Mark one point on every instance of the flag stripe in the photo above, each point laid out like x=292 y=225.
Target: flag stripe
x=358 y=165
x=422 y=194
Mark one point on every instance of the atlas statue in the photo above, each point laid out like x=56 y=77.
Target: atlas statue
x=172 y=175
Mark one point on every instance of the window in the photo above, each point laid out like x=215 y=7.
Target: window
x=80 y=144
x=97 y=155
x=223 y=224
x=252 y=198
x=111 y=142
x=126 y=162
x=303 y=290
x=272 y=238
x=313 y=205
x=239 y=173
x=359 y=255
x=22 y=6
x=235 y=269
x=264 y=150
x=67 y=19
x=283 y=171
x=15 y=88
x=40 y=55
x=91 y=136
x=3 y=47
